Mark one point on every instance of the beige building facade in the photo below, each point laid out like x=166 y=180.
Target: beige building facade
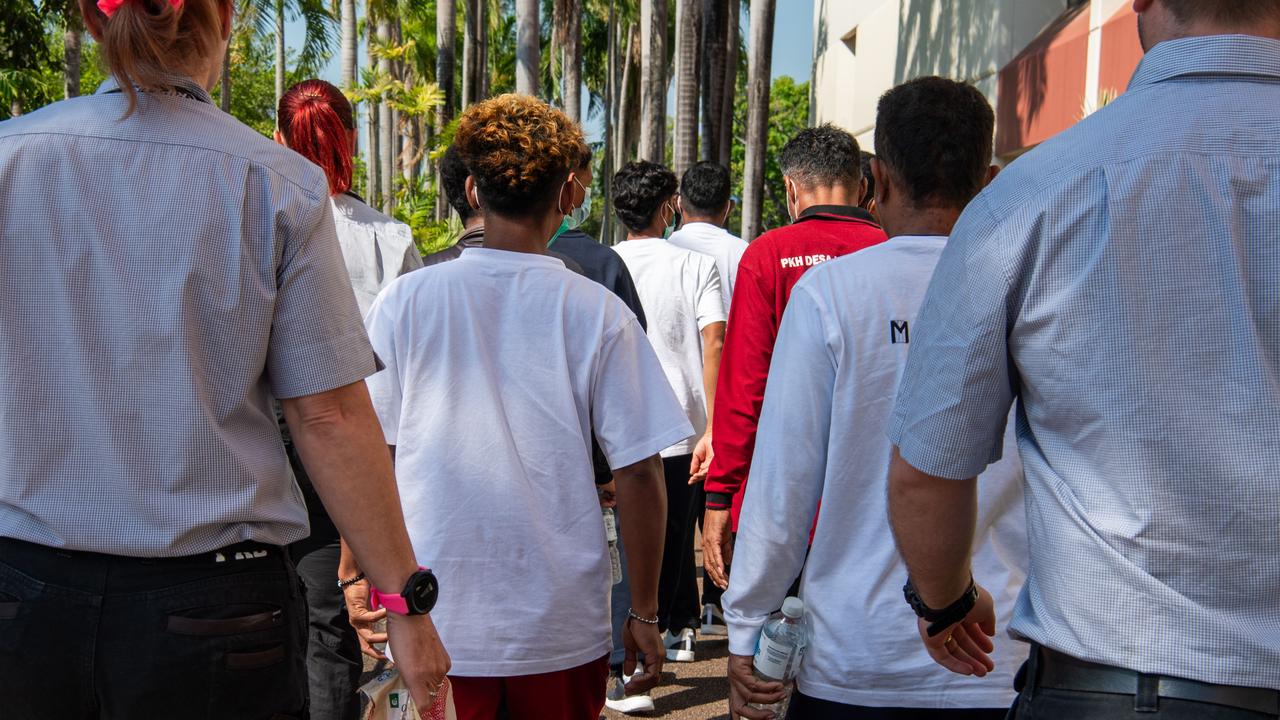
x=1043 y=64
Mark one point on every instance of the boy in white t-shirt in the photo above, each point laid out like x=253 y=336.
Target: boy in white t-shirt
x=499 y=367
x=704 y=204
x=681 y=294
x=840 y=353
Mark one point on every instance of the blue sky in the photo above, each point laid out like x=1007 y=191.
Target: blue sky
x=792 y=42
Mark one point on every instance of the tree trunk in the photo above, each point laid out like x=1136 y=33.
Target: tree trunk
x=573 y=61
x=224 y=85
x=483 y=79
x=687 y=85
x=712 y=70
x=470 y=29
x=759 y=67
x=528 y=47
x=733 y=20
x=386 y=126
x=559 y=20
x=71 y=43
x=446 y=41
x=280 y=51
x=373 y=171
x=624 y=119
x=653 y=80
x=610 y=101
x=350 y=43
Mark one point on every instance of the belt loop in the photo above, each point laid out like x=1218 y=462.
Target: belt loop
x=1147 y=697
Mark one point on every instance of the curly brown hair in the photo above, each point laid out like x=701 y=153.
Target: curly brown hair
x=519 y=150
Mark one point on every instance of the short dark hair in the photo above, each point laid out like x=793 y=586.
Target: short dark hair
x=1230 y=12
x=825 y=156
x=639 y=189
x=705 y=188
x=869 y=177
x=453 y=176
x=936 y=135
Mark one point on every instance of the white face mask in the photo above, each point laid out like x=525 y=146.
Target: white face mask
x=579 y=215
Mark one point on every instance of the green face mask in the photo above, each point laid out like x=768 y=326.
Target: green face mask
x=564 y=228
x=671 y=227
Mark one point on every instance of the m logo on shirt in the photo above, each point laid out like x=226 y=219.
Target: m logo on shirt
x=899 y=329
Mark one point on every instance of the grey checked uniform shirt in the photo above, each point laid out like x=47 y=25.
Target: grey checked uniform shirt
x=1123 y=283
x=164 y=275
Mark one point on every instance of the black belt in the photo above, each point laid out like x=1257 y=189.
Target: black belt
x=1057 y=671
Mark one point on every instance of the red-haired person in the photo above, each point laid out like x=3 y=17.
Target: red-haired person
x=167 y=273
x=316 y=120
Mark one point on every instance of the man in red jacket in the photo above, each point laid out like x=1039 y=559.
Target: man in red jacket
x=822 y=170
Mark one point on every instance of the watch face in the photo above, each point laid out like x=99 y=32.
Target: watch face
x=422 y=592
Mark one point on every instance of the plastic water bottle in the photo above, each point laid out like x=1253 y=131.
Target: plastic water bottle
x=611 y=534
x=782 y=643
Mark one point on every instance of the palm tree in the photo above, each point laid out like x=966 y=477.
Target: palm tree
x=386 y=122
x=714 y=54
x=759 y=67
x=474 y=35
x=350 y=44
x=71 y=44
x=688 y=76
x=528 y=47
x=573 y=60
x=653 y=79
x=733 y=56
x=318 y=39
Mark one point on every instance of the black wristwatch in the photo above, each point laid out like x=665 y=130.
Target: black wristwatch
x=940 y=620
x=418 y=597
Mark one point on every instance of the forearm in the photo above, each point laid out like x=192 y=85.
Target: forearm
x=933 y=523
x=712 y=347
x=340 y=442
x=642 y=506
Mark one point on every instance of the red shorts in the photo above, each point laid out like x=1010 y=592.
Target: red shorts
x=573 y=694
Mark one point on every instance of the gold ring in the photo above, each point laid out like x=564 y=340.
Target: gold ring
x=950 y=639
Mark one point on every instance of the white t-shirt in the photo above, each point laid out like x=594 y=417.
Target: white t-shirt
x=680 y=293
x=375 y=248
x=723 y=246
x=499 y=366
x=840 y=353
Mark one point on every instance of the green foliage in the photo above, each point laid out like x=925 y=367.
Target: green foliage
x=788 y=115
x=415 y=207
x=253 y=84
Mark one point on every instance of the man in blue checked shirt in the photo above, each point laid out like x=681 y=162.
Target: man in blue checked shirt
x=1122 y=283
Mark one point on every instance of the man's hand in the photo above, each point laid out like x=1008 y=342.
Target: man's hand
x=717 y=546
x=363 y=619
x=642 y=639
x=420 y=657
x=964 y=647
x=745 y=688
x=608 y=494
x=701 y=463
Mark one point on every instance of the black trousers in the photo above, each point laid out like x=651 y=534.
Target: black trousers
x=804 y=707
x=334 y=662
x=86 y=636
x=678 y=606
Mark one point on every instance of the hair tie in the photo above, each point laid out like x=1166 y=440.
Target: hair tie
x=109 y=7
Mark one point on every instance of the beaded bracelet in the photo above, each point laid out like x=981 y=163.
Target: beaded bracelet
x=344 y=584
x=632 y=614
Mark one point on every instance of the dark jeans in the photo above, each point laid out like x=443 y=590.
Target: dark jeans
x=678 y=606
x=804 y=707
x=334 y=662
x=1038 y=703
x=87 y=636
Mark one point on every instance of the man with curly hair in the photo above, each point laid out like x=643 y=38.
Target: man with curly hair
x=532 y=360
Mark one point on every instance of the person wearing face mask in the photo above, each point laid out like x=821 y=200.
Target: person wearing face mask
x=705 y=205
x=822 y=171
x=681 y=292
x=534 y=361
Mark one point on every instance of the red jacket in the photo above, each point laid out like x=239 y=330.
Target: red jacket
x=770 y=267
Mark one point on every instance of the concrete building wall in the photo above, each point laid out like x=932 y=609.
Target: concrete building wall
x=864 y=47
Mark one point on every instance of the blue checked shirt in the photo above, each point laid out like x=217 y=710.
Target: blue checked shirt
x=1122 y=282
x=164 y=275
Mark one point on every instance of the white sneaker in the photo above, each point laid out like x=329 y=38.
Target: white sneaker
x=617 y=699
x=713 y=624
x=679 y=647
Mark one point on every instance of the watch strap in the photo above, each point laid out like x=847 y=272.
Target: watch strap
x=392 y=602
x=943 y=618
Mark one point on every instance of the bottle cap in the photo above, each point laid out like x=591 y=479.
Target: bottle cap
x=793 y=607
